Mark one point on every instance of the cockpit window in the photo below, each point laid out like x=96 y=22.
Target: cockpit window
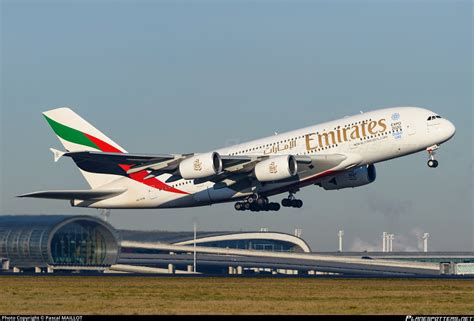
x=433 y=117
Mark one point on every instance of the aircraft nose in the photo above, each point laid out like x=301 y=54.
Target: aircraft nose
x=450 y=128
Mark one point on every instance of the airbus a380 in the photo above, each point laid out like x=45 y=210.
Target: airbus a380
x=333 y=155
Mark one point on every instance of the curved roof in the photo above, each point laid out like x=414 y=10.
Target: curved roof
x=184 y=238
x=271 y=236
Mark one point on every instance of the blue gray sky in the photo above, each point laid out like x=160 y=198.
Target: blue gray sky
x=191 y=76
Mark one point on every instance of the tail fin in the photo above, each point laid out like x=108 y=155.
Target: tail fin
x=76 y=134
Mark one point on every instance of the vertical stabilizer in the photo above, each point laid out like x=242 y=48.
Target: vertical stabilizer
x=76 y=134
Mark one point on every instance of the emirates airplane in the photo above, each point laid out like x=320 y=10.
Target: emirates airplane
x=333 y=155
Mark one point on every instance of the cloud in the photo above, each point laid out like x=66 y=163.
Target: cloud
x=358 y=245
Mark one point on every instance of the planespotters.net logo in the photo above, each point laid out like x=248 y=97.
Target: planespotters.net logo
x=438 y=318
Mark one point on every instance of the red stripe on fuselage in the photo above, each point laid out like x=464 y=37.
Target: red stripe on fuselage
x=140 y=176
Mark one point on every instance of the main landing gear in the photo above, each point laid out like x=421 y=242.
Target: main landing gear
x=432 y=162
x=256 y=203
x=291 y=201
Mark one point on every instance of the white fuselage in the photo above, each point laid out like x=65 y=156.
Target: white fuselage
x=369 y=137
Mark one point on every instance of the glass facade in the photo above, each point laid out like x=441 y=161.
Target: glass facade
x=79 y=244
x=41 y=240
x=255 y=244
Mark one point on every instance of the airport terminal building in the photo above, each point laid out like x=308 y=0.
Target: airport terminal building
x=66 y=242
x=249 y=240
x=39 y=241
x=79 y=243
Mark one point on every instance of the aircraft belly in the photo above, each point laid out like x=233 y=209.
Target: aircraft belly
x=221 y=194
x=202 y=197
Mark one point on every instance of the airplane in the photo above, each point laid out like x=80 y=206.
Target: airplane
x=333 y=155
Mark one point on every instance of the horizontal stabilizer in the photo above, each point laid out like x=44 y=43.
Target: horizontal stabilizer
x=87 y=195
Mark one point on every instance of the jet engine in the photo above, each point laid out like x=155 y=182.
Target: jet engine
x=276 y=168
x=201 y=166
x=355 y=177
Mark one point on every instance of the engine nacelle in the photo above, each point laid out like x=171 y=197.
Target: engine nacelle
x=358 y=176
x=201 y=166
x=276 y=168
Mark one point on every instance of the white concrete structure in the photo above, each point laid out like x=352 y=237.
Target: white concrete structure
x=390 y=238
x=340 y=234
x=298 y=232
x=142 y=269
x=384 y=242
x=5 y=264
x=333 y=259
x=425 y=241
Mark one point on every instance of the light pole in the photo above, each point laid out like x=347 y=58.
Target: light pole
x=194 y=254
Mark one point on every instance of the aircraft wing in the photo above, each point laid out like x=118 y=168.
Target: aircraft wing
x=232 y=165
x=118 y=158
x=237 y=168
x=86 y=195
x=160 y=163
x=239 y=164
x=157 y=163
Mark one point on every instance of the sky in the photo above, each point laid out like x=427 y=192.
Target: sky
x=193 y=76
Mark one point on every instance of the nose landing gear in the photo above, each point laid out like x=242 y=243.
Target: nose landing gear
x=432 y=162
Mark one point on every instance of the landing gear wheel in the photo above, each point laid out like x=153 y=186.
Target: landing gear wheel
x=239 y=206
x=433 y=163
x=291 y=201
x=297 y=203
x=286 y=202
x=254 y=207
x=273 y=207
x=255 y=203
x=262 y=201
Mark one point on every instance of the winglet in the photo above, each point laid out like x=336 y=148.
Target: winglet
x=57 y=154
